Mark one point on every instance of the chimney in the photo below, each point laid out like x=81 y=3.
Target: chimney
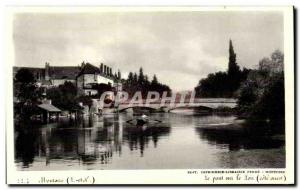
x=47 y=68
x=101 y=68
x=105 y=69
x=119 y=74
x=110 y=71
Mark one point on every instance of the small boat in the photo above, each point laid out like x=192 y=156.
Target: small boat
x=142 y=120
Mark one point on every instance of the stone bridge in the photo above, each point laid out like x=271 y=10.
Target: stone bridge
x=205 y=103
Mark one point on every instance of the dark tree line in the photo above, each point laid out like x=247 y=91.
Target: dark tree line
x=140 y=82
x=223 y=84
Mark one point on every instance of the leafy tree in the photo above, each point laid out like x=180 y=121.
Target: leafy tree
x=24 y=76
x=64 y=96
x=27 y=93
x=261 y=96
x=273 y=64
x=101 y=88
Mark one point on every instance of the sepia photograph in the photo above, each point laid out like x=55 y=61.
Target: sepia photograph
x=151 y=89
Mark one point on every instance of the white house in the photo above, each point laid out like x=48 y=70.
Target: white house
x=90 y=75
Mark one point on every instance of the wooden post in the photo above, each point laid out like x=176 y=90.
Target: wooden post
x=75 y=115
x=48 y=117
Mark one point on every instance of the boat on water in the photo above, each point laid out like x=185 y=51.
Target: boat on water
x=142 y=120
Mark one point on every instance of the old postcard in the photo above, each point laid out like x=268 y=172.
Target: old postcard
x=150 y=95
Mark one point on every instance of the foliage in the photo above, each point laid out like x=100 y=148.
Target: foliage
x=141 y=83
x=233 y=68
x=261 y=96
x=26 y=92
x=24 y=76
x=223 y=84
x=101 y=88
x=64 y=96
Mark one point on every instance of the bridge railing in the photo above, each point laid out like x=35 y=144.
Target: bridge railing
x=196 y=100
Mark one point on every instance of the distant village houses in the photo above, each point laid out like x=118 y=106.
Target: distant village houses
x=85 y=76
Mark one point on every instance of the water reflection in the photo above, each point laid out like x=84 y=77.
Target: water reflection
x=93 y=140
x=179 y=141
x=25 y=146
x=139 y=137
x=242 y=136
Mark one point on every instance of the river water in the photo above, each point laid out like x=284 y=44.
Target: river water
x=175 y=140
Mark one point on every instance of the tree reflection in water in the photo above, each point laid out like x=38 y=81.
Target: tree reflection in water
x=93 y=140
x=139 y=137
x=254 y=135
x=25 y=147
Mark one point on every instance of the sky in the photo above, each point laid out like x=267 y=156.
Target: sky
x=179 y=47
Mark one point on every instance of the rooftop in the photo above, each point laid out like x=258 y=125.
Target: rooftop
x=89 y=69
x=49 y=108
x=63 y=72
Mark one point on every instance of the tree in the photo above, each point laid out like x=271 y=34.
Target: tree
x=233 y=68
x=154 y=80
x=141 y=83
x=130 y=78
x=101 y=88
x=261 y=96
x=141 y=77
x=273 y=64
x=223 y=84
x=234 y=72
x=24 y=76
x=64 y=96
x=27 y=93
x=135 y=79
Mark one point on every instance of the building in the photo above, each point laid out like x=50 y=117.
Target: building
x=85 y=77
x=52 y=75
x=90 y=76
x=58 y=75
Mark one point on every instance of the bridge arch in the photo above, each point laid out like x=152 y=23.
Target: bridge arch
x=203 y=108
x=141 y=107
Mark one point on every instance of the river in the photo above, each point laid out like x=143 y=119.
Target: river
x=177 y=140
